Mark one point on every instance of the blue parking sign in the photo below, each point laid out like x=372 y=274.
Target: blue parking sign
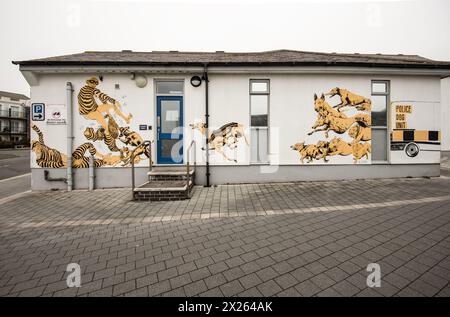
x=38 y=112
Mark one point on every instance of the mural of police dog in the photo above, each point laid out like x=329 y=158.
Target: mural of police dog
x=332 y=119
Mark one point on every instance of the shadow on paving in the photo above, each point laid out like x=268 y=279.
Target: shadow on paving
x=227 y=200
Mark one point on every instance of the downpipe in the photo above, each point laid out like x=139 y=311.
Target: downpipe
x=205 y=78
x=69 y=99
x=91 y=173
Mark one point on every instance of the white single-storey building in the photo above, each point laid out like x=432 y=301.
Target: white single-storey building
x=256 y=117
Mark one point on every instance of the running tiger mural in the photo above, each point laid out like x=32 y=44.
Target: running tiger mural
x=333 y=119
x=96 y=106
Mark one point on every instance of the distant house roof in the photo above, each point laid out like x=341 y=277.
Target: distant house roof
x=221 y=58
x=13 y=96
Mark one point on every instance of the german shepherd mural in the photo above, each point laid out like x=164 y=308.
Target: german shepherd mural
x=331 y=119
x=226 y=136
x=350 y=99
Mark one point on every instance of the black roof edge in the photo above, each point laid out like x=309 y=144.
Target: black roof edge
x=227 y=64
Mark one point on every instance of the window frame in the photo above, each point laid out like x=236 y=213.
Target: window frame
x=266 y=81
x=174 y=93
x=387 y=93
x=267 y=127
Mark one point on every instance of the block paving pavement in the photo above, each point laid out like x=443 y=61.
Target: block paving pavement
x=289 y=239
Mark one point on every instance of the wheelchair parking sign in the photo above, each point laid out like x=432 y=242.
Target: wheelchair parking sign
x=38 y=112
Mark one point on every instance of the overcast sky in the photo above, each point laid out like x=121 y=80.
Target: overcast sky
x=42 y=28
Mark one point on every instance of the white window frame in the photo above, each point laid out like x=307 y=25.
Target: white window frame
x=257 y=128
x=387 y=93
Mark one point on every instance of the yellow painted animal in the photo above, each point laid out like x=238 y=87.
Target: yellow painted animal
x=138 y=151
x=350 y=99
x=360 y=150
x=91 y=110
x=324 y=109
x=323 y=149
x=309 y=152
x=79 y=160
x=338 y=146
x=45 y=155
x=359 y=133
x=339 y=125
x=130 y=137
x=226 y=135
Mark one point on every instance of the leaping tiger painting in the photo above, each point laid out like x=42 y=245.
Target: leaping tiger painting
x=90 y=109
x=46 y=156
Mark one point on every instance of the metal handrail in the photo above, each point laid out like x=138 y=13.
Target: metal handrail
x=150 y=164
x=188 y=176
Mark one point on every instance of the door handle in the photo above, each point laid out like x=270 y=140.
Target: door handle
x=158 y=122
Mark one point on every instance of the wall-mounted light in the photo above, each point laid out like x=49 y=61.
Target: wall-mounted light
x=196 y=81
x=140 y=81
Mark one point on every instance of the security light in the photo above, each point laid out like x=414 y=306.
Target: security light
x=141 y=81
x=196 y=81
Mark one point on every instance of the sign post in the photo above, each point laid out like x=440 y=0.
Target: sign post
x=38 y=112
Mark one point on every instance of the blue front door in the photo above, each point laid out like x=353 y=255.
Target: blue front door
x=169 y=129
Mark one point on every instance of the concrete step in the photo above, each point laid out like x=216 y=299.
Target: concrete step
x=164 y=186
x=170 y=171
x=163 y=190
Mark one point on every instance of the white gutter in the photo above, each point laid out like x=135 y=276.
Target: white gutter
x=239 y=70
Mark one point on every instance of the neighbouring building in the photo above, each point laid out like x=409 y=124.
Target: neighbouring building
x=256 y=117
x=14 y=118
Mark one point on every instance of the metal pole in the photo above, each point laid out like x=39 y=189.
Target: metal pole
x=132 y=173
x=91 y=172
x=187 y=171
x=69 y=92
x=150 y=164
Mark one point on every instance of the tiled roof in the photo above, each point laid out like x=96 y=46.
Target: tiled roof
x=13 y=96
x=220 y=58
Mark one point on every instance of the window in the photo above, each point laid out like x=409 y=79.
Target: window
x=166 y=87
x=380 y=102
x=259 y=120
x=14 y=126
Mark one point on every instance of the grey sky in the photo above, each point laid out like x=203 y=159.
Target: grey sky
x=33 y=29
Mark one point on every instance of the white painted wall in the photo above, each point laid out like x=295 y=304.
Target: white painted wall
x=291 y=108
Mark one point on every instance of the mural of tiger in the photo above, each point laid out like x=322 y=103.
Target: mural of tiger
x=130 y=137
x=88 y=107
x=87 y=94
x=99 y=135
x=46 y=156
x=109 y=131
x=94 y=135
x=79 y=160
x=113 y=127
